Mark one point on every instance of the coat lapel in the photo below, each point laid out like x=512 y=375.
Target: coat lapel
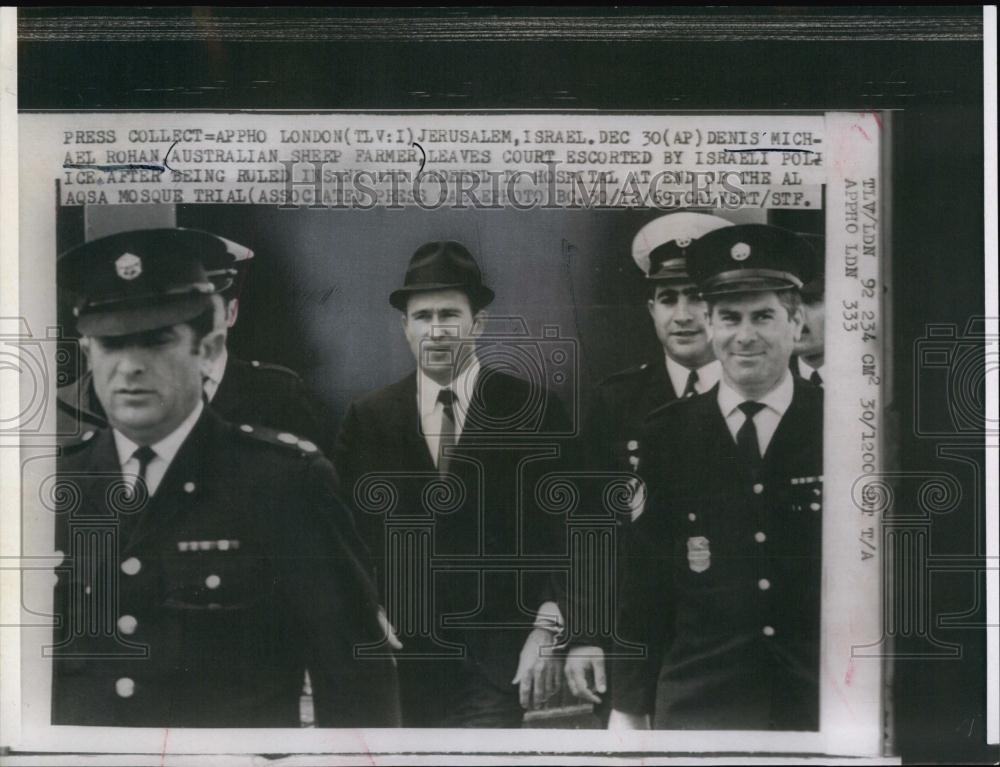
x=406 y=419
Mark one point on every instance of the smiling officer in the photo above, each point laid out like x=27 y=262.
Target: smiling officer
x=208 y=564
x=722 y=574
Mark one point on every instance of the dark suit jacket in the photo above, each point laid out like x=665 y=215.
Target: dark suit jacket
x=250 y=392
x=489 y=512
x=722 y=578
x=204 y=606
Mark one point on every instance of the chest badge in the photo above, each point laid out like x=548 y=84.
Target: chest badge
x=699 y=555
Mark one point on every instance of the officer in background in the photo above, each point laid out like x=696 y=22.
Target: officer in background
x=208 y=564
x=238 y=390
x=722 y=573
x=623 y=401
x=807 y=362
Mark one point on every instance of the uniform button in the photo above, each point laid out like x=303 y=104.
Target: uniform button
x=255 y=363
x=763 y=584
x=125 y=687
x=768 y=631
x=632 y=445
x=759 y=537
x=87 y=436
x=87 y=590
x=213 y=581
x=247 y=428
x=817 y=491
x=131 y=566
x=127 y=624
x=692 y=517
x=815 y=506
x=633 y=461
x=189 y=487
x=288 y=439
x=307 y=446
x=222 y=545
x=758 y=489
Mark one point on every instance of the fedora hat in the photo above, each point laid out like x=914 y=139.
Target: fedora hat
x=444 y=265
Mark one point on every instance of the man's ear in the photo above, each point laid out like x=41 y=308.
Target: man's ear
x=232 y=312
x=650 y=303
x=85 y=346
x=478 y=322
x=798 y=322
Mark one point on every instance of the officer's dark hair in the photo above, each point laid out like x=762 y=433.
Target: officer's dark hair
x=790 y=298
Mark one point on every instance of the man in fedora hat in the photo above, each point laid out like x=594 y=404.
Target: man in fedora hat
x=208 y=565
x=474 y=633
x=722 y=570
x=239 y=390
x=622 y=401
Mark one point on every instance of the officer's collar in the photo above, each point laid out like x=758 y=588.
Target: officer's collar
x=778 y=399
x=165 y=448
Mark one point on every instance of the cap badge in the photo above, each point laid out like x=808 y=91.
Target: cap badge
x=740 y=251
x=128 y=266
x=699 y=555
x=683 y=242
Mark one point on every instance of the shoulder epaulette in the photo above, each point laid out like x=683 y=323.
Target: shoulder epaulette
x=283 y=439
x=270 y=367
x=74 y=442
x=626 y=373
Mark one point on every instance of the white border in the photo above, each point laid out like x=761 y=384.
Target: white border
x=850 y=699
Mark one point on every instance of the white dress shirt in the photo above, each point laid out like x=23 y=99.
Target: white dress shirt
x=165 y=451
x=431 y=411
x=775 y=403
x=708 y=376
x=806 y=370
x=214 y=376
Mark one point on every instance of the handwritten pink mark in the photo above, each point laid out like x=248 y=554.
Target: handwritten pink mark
x=878 y=120
x=849 y=676
x=163 y=753
x=862 y=131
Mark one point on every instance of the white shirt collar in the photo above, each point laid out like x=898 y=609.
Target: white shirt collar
x=708 y=375
x=462 y=385
x=778 y=399
x=806 y=370
x=167 y=447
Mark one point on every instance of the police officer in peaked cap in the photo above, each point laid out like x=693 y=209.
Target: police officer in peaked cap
x=622 y=401
x=721 y=579
x=207 y=565
x=238 y=390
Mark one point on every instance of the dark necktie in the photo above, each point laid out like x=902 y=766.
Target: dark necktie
x=746 y=437
x=138 y=500
x=447 y=399
x=816 y=378
x=690 y=390
x=144 y=455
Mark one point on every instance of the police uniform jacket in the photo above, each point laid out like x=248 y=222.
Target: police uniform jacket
x=722 y=576
x=621 y=403
x=485 y=510
x=249 y=392
x=204 y=605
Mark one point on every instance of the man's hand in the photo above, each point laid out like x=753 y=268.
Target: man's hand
x=390 y=632
x=538 y=669
x=584 y=672
x=619 y=720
